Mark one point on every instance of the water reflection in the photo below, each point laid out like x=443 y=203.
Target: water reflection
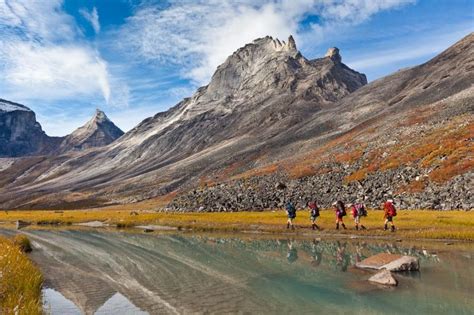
x=54 y=303
x=112 y=273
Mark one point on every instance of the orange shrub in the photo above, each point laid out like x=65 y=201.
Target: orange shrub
x=413 y=187
x=356 y=176
x=299 y=171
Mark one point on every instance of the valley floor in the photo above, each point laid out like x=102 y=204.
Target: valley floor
x=411 y=224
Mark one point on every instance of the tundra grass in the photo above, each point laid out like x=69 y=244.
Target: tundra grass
x=413 y=224
x=20 y=280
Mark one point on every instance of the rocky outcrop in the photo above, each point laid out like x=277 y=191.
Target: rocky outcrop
x=97 y=132
x=20 y=133
x=333 y=54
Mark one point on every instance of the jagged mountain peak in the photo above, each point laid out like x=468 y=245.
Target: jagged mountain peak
x=100 y=116
x=333 y=54
x=98 y=131
x=252 y=79
x=267 y=64
x=271 y=45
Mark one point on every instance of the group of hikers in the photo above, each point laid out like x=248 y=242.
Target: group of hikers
x=358 y=210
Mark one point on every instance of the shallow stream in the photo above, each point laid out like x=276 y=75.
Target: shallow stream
x=103 y=272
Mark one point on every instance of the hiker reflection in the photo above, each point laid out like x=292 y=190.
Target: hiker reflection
x=358 y=252
x=292 y=254
x=316 y=254
x=342 y=259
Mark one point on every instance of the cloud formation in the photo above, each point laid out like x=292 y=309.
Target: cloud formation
x=43 y=54
x=198 y=35
x=92 y=17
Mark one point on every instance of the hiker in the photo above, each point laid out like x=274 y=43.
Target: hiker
x=389 y=213
x=340 y=213
x=313 y=214
x=291 y=212
x=358 y=210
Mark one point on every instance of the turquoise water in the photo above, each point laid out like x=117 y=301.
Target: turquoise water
x=136 y=273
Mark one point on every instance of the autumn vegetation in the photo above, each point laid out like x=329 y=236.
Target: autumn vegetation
x=20 y=279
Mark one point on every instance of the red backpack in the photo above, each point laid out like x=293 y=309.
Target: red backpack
x=391 y=211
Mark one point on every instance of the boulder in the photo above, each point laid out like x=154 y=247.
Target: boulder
x=390 y=262
x=405 y=263
x=384 y=277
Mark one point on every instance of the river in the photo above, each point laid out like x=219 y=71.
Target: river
x=125 y=272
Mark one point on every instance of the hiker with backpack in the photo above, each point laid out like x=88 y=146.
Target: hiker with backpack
x=313 y=214
x=291 y=213
x=340 y=210
x=389 y=213
x=358 y=210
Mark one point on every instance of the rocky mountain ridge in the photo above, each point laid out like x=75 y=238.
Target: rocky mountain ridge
x=268 y=111
x=21 y=135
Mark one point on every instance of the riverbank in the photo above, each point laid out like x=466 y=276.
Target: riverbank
x=413 y=224
x=20 y=279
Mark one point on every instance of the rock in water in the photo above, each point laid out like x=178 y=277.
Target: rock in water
x=384 y=277
x=390 y=262
x=405 y=263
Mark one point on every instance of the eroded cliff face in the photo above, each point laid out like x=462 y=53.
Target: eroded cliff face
x=20 y=133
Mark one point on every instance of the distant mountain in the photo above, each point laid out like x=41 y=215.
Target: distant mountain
x=97 y=132
x=20 y=133
x=270 y=116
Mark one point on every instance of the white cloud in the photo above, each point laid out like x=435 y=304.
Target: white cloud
x=44 y=55
x=92 y=17
x=53 y=71
x=37 y=20
x=198 y=35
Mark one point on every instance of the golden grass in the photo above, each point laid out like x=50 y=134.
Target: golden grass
x=410 y=224
x=20 y=281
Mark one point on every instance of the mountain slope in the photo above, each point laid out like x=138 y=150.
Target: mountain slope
x=408 y=136
x=97 y=132
x=271 y=115
x=258 y=93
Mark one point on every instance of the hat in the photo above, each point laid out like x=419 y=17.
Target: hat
x=334 y=203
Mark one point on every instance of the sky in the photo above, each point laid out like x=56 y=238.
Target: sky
x=135 y=58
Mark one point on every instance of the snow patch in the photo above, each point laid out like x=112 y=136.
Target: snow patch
x=6 y=106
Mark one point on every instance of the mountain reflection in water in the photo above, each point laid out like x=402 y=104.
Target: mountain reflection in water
x=126 y=273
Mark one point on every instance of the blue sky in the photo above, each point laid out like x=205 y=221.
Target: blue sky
x=132 y=58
